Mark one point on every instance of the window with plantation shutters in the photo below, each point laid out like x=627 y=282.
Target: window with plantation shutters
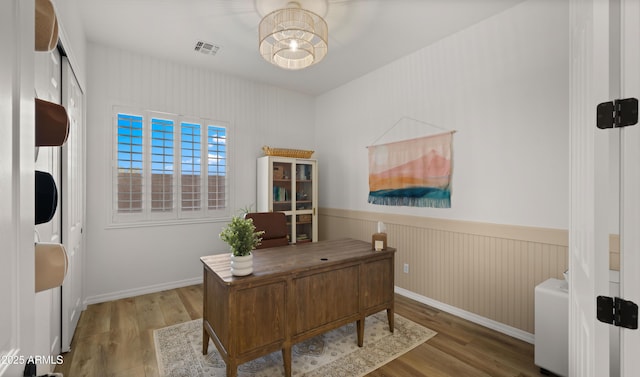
x=216 y=167
x=129 y=178
x=162 y=173
x=169 y=167
x=191 y=167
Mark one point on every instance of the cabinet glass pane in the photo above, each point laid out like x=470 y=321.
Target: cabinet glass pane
x=304 y=188
x=282 y=187
x=289 y=228
x=304 y=228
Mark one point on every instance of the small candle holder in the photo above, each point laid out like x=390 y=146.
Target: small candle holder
x=379 y=241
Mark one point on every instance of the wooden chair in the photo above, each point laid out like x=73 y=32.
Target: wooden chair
x=274 y=225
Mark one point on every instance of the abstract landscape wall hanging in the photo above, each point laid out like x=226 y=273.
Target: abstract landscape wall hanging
x=415 y=172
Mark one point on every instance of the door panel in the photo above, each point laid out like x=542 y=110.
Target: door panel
x=47 y=87
x=589 y=164
x=17 y=320
x=72 y=203
x=630 y=184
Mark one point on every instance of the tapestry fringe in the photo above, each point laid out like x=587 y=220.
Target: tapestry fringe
x=411 y=202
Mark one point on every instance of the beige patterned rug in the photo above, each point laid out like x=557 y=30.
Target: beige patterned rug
x=335 y=353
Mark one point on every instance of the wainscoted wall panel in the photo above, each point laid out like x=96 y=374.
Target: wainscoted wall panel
x=487 y=269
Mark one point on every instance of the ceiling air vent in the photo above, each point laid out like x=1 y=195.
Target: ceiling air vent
x=207 y=48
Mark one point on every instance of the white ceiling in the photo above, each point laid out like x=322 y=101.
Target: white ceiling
x=363 y=34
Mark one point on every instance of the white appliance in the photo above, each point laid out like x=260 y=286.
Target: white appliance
x=552 y=327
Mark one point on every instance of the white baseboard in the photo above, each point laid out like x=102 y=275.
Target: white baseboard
x=140 y=291
x=486 y=322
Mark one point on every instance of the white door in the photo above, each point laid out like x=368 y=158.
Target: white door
x=630 y=184
x=72 y=204
x=589 y=164
x=47 y=81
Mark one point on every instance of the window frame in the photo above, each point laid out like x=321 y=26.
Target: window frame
x=177 y=215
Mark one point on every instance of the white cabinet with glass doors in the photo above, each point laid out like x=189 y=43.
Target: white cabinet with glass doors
x=290 y=185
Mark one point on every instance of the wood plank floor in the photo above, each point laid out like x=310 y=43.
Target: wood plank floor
x=115 y=339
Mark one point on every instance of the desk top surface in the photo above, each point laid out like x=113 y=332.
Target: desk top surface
x=295 y=258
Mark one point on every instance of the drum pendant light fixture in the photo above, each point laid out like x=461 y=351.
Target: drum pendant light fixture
x=293 y=38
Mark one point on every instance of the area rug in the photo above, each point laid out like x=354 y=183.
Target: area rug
x=335 y=353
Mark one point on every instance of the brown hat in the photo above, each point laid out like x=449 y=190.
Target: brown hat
x=46 y=26
x=52 y=124
x=51 y=265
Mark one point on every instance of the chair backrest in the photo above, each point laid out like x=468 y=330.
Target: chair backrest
x=274 y=225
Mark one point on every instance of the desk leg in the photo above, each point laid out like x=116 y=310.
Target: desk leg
x=232 y=368
x=286 y=358
x=205 y=341
x=360 y=327
x=391 y=319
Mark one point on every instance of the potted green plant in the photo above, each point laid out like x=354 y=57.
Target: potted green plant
x=241 y=236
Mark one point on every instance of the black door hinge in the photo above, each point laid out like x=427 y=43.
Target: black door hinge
x=618 y=113
x=619 y=312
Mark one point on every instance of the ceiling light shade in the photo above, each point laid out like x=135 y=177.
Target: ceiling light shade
x=293 y=38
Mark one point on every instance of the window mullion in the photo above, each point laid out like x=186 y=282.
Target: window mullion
x=146 y=166
x=177 y=158
x=204 y=168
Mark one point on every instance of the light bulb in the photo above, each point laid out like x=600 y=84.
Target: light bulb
x=293 y=45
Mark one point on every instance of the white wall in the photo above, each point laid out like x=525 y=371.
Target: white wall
x=502 y=84
x=127 y=261
x=71 y=31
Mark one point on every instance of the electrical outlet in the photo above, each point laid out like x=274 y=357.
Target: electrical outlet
x=406 y=268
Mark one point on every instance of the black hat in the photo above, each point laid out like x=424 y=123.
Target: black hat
x=46 y=197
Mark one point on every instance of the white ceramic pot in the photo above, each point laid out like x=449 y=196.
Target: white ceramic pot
x=241 y=266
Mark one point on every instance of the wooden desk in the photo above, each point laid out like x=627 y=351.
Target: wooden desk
x=295 y=292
